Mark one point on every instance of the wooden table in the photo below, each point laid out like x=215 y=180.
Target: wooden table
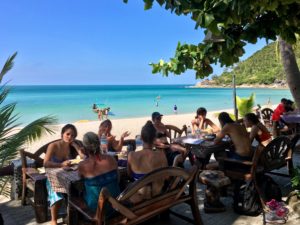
x=292 y=119
x=201 y=148
x=61 y=179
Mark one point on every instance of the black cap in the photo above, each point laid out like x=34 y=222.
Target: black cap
x=156 y=115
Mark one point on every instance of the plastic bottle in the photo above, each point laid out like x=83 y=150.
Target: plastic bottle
x=103 y=144
x=189 y=131
x=198 y=133
x=138 y=140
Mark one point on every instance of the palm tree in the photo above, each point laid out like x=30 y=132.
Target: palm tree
x=291 y=69
x=10 y=141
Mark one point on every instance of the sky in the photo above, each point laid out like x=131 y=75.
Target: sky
x=99 y=42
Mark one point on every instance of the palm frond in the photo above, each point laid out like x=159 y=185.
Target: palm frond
x=3 y=93
x=8 y=65
x=7 y=119
x=11 y=145
x=4 y=186
x=37 y=128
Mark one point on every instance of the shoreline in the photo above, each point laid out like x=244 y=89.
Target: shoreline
x=242 y=87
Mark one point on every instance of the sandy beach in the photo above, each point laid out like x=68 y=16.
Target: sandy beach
x=133 y=125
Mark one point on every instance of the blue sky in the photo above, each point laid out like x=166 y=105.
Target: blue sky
x=93 y=42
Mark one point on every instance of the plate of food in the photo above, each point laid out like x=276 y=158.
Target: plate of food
x=209 y=137
x=75 y=161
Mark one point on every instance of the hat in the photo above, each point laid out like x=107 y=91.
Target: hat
x=156 y=115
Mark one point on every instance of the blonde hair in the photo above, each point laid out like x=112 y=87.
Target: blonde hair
x=91 y=143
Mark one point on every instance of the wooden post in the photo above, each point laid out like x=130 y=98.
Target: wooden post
x=234 y=97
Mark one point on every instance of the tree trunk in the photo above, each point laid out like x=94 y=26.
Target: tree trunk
x=291 y=69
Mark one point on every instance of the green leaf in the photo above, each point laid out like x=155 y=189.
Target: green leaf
x=148 y=4
x=209 y=18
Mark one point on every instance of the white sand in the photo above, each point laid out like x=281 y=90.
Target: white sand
x=133 y=125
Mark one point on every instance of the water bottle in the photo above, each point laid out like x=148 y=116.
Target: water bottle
x=138 y=140
x=189 y=131
x=103 y=144
x=198 y=133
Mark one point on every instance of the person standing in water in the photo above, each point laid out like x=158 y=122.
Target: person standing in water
x=175 y=109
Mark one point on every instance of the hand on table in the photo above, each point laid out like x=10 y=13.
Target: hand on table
x=66 y=163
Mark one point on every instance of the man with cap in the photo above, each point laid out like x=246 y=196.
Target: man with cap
x=171 y=150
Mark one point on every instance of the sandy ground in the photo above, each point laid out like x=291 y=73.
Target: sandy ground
x=133 y=125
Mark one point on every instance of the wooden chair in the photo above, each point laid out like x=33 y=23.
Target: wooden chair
x=130 y=143
x=266 y=114
x=175 y=132
x=35 y=182
x=180 y=188
x=278 y=154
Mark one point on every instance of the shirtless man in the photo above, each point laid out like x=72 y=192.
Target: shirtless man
x=238 y=135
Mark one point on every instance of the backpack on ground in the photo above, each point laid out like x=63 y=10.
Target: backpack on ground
x=269 y=188
x=246 y=200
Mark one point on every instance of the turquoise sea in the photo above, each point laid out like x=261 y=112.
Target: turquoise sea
x=73 y=103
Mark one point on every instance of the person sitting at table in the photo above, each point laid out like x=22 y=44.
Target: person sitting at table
x=258 y=130
x=203 y=123
x=143 y=162
x=112 y=144
x=58 y=155
x=161 y=142
x=278 y=123
x=238 y=135
x=98 y=171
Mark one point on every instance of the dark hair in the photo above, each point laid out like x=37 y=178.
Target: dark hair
x=91 y=143
x=201 y=111
x=148 y=132
x=252 y=118
x=283 y=100
x=106 y=123
x=289 y=105
x=67 y=127
x=225 y=118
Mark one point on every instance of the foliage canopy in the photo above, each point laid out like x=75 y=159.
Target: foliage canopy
x=231 y=24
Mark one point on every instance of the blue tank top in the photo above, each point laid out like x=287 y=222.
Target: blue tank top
x=94 y=185
x=56 y=160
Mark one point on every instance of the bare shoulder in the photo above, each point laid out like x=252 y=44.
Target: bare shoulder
x=112 y=160
x=52 y=146
x=82 y=167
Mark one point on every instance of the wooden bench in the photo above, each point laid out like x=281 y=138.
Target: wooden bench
x=180 y=187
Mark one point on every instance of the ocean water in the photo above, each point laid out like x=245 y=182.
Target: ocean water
x=73 y=103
